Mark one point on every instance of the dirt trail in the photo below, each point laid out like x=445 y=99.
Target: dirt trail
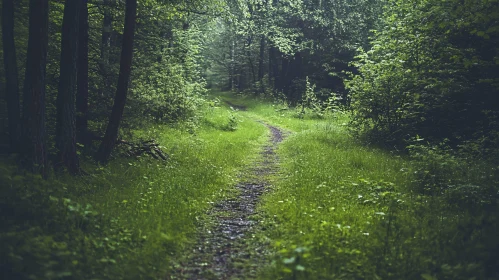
x=222 y=252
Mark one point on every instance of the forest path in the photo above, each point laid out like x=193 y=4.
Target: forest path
x=226 y=249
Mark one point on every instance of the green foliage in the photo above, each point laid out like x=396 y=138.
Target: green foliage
x=319 y=104
x=129 y=220
x=285 y=41
x=232 y=123
x=310 y=101
x=165 y=95
x=430 y=71
x=168 y=86
x=49 y=236
x=339 y=210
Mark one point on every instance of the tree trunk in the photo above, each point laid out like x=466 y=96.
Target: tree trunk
x=66 y=127
x=260 y=59
x=284 y=80
x=82 y=78
x=105 y=48
x=271 y=60
x=106 y=33
x=274 y=66
x=295 y=72
x=11 y=76
x=232 y=66
x=252 y=67
x=34 y=132
x=111 y=135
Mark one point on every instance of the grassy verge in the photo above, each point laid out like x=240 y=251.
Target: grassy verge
x=130 y=219
x=341 y=210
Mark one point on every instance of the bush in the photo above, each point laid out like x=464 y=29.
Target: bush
x=425 y=75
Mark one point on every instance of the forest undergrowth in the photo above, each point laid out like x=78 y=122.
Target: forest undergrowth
x=338 y=209
x=131 y=218
x=344 y=210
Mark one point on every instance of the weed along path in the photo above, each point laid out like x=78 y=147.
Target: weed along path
x=225 y=249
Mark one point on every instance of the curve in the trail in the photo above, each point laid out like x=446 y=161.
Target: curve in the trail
x=223 y=252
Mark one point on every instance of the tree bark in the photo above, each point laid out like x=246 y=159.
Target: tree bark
x=274 y=66
x=106 y=33
x=105 y=47
x=260 y=59
x=34 y=132
x=65 y=126
x=283 y=82
x=252 y=67
x=111 y=135
x=295 y=72
x=232 y=66
x=82 y=78
x=11 y=74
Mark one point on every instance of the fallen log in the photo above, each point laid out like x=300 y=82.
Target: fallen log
x=149 y=147
x=137 y=149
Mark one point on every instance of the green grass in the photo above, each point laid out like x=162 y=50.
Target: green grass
x=143 y=214
x=336 y=210
x=342 y=210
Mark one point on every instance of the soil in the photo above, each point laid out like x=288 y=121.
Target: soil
x=227 y=249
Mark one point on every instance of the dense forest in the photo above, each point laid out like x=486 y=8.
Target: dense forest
x=249 y=139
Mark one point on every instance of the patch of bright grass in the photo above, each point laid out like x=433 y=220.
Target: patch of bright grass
x=130 y=219
x=342 y=210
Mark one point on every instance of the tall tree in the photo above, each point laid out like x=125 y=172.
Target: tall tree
x=106 y=32
x=66 y=127
x=111 y=135
x=34 y=132
x=82 y=78
x=11 y=76
x=105 y=47
x=261 y=57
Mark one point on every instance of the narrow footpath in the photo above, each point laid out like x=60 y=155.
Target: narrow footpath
x=225 y=249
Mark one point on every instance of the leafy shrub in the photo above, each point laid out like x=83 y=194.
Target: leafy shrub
x=318 y=103
x=425 y=75
x=48 y=236
x=171 y=88
x=232 y=122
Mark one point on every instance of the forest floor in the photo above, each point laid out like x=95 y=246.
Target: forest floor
x=225 y=248
x=254 y=189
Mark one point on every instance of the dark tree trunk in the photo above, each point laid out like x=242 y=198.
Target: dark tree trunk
x=252 y=67
x=232 y=67
x=271 y=61
x=295 y=72
x=274 y=66
x=33 y=133
x=66 y=95
x=82 y=78
x=284 y=80
x=260 y=59
x=105 y=48
x=106 y=33
x=247 y=50
x=11 y=76
x=241 y=79
x=111 y=135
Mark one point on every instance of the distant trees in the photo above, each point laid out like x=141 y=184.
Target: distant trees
x=291 y=40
